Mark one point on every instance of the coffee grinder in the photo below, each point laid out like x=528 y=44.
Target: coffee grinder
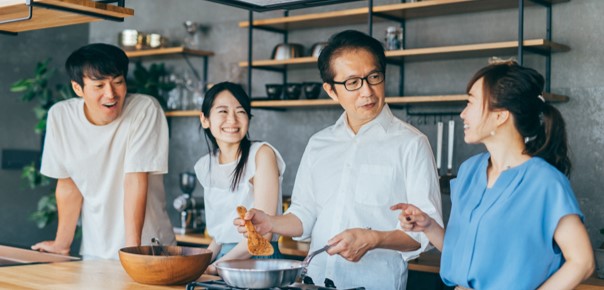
x=190 y=208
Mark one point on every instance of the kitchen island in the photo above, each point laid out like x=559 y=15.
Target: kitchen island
x=428 y=262
x=87 y=274
x=108 y=274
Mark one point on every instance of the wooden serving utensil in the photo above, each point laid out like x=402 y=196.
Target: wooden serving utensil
x=257 y=245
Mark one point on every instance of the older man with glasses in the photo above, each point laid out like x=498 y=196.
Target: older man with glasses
x=352 y=172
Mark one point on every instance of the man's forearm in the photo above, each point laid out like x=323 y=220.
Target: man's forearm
x=69 y=204
x=287 y=225
x=394 y=240
x=135 y=203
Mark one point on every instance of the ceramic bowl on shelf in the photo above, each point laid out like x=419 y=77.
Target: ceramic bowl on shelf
x=273 y=91
x=164 y=265
x=312 y=90
x=293 y=91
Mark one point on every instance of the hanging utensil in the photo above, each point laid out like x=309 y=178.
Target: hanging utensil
x=439 y=145
x=450 y=147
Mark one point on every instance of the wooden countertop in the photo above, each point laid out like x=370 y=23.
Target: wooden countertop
x=427 y=262
x=109 y=274
x=88 y=274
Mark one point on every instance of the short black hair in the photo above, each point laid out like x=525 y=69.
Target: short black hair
x=345 y=40
x=96 y=61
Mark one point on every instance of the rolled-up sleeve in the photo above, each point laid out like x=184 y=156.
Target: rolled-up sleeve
x=423 y=190
x=303 y=201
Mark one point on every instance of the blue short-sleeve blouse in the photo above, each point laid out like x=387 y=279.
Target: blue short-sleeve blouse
x=503 y=237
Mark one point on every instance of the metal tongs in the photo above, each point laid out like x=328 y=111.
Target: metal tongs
x=155 y=243
x=309 y=258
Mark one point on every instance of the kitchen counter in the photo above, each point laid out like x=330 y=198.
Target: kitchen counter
x=109 y=274
x=88 y=274
x=427 y=262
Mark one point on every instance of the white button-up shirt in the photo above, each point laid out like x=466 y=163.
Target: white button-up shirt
x=349 y=181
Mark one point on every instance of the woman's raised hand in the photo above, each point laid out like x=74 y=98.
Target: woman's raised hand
x=412 y=218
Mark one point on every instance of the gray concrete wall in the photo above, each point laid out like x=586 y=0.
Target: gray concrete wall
x=575 y=73
x=19 y=55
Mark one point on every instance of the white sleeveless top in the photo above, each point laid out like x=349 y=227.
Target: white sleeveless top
x=221 y=202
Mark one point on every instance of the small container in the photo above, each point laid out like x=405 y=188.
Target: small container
x=394 y=38
x=273 y=91
x=293 y=91
x=155 y=40
x=131 y=39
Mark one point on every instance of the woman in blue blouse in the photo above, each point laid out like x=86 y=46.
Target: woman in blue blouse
x=515 y=222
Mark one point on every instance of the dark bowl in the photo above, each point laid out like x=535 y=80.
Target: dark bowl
x=312 y=90
x=273 y=91
x=293 y=91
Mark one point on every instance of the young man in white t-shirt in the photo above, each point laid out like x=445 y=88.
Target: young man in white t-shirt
x=108 y=151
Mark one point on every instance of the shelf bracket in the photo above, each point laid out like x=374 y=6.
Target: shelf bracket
x=191 y=67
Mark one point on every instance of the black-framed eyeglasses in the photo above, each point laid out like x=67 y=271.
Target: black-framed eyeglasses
x=353 y=84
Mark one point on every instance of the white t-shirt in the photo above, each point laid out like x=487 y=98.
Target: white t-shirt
x=97 y=158
x=350 y=181
x=220 y=202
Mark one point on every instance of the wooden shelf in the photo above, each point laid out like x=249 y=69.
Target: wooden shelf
x=168 y=51
x=434 y=53
x=402 y=11
x=299 y=104
x=190 y=113
x=48 y=13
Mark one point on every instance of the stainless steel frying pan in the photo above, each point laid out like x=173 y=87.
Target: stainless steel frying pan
x=267 y=273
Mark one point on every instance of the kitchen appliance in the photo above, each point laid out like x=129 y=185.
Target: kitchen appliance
x=191 y=208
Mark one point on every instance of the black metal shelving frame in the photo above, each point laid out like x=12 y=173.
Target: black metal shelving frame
x=31 y=3
x=402 y=22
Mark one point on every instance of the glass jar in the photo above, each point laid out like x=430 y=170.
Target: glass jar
x=394 y=38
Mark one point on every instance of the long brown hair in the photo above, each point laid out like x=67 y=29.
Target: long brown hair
x=518 y=89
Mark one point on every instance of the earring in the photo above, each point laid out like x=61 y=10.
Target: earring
x=492 y=133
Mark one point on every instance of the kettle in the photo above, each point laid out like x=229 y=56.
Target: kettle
x=316 y=49
x=285 y=51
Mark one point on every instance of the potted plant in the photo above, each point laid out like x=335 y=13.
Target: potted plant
x=600 y=258
x=38 y=88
